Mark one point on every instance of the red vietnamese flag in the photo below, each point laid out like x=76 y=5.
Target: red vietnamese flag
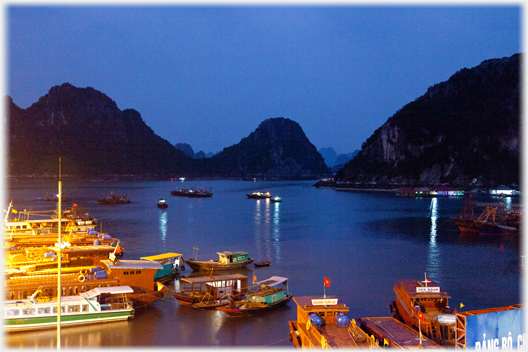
x=327 y=282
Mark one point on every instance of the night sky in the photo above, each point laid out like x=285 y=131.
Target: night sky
x=209 y=75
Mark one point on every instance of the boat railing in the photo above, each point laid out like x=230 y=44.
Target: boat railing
x=66 y=279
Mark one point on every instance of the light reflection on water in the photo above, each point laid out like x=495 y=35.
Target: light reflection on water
x=163 y=225
x=267 y=230
x=433 y=258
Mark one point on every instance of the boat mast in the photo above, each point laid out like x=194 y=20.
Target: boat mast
x=60 y=259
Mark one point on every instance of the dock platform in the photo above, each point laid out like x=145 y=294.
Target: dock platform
x=395 y=333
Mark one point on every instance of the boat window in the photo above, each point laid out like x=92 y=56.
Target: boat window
x=13 y=312
x=138 y=272
x=12 y=295
x=132 y=272
x=55 y=309
x=44 y=310
x=85 y=308
x=74 y=309
x=28 y=311
x=64 y=291
x=75 y=290
x=24 y=294
x=87 y=288
x=125 y=273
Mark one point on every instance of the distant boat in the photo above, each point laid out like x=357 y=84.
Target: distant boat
x=226 y=261
x=114 y=199
x=162 y=204
x=192 y=193
x=86 y=308
x=266 y=297
x=265 y=263
x=211 y=291
x=276 y=200
x=259 y=195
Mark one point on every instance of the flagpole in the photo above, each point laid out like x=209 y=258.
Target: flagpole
x=60 y=258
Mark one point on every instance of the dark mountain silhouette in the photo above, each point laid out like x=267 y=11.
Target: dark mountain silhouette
x=277 y=149
x=459 y=131
x=90 y=133
x=329 y=155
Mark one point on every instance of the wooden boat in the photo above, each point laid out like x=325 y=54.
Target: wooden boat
x=394 y=334
x=211 y=291
x=162 y=204
x=112 y=199
x=226 y=261
x=438 y=318
x=259 y=195
x=192 y=193
x=172 y=265
x=322 y=323
x=266 y=298
x=276 y=200
x=265 y=263
x=138 y=274
x=99 y=305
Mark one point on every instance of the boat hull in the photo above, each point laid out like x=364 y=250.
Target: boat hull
x=241 y=312
x=494 y=229
x=141 y=298
x=201 y=302
x=465 y=225
x=215 y=265
x=41 y=323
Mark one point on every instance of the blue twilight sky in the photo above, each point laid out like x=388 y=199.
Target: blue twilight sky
x=208 y=75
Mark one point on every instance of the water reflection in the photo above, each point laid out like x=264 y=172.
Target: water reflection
x=433 y=258
x=267 y=229
x=163 y=225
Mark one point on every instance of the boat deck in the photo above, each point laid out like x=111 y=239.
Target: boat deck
x=396 y=333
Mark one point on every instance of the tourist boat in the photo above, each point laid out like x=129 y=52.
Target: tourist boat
x=226 y=261
x=265 y=263
x=99 y=305
x=259 y=195
x=211 y=291
x=162 y=204
x=192 y=193
x=276 y=200
x=114 y=199
x=50 y=197
x=138 y=274
x=172 y=265
x=425 y=297
x=265 y=298
x=322 y=323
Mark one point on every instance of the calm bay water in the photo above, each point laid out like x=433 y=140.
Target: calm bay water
x=363 y=242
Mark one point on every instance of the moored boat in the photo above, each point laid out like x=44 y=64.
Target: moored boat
x=192 y=193
x=264 y=263
x=113 y=199
x=99 y=305
x=276 y=199
x=172 y=265
x=425 y=299
x=211 y=291
x=322 y=323
x=226 y=261
x=259 y=195
x=162 y=203
x=269 y=296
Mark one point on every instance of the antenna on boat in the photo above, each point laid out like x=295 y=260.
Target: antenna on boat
x=195 y=250
x=59 y=262
x=426 y=281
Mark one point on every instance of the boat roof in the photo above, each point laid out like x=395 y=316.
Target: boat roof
x=410 y=287
x=229 y=253
x=162 y=256
x=100 y=290
x=398 y=333
x=272 y=281
x=77 y=249
x=305 y=303
x=132 y=264
x=202 y=279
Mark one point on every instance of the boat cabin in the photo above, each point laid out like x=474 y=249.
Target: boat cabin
x=139 y=274
x=232 y=257
x=268 y=292
x=215 y=286
x=172 y=264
